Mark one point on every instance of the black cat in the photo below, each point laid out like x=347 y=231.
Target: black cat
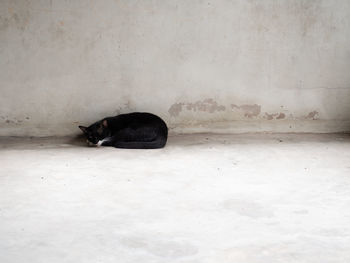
x=137 y=130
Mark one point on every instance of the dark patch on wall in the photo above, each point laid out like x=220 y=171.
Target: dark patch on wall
x=281 y=116
x=15 y=121
x=249 y=111
x=12 y=19
x=207 y=105
x=125 y=108
x=276 y=116
x=312 y=115
x=175 y=109
x=269 y=116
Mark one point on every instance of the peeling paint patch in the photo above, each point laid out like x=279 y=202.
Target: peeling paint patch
x=207 y=105
x=238 y=112
x=281 y=116
x=249 y=111
x=12 y=19
x=312 y=115
x=124 y=109
x=270 y=116
x=175 y=109
x=15 y=121
x=276 y=116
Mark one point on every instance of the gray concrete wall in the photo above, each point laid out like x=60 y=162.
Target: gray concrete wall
x=223 y=66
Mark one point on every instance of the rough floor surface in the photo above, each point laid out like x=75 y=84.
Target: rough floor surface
x=202 y=199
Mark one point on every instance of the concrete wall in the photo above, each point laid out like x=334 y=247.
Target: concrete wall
x=224 y=66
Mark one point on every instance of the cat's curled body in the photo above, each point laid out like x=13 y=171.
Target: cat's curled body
x=137 y=130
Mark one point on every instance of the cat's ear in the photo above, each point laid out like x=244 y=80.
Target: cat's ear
x=105 y=124
x=83 y=129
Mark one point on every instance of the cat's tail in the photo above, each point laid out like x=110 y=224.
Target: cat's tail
x=156 y=144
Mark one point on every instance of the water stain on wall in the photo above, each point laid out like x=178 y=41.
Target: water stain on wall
x=269 y=116
x=207 y=105
x=249 y=111
x=281 y=116
x=277 y=116
x=13 y=19
x=175 y=109
x=15 y=121
x=312 y=115
x=124 y=108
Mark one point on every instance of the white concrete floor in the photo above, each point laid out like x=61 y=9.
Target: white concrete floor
x=204 y=198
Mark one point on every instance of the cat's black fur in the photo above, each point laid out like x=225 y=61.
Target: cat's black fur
x=137 y=130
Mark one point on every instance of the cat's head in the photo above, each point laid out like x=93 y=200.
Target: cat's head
x=96 y=132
